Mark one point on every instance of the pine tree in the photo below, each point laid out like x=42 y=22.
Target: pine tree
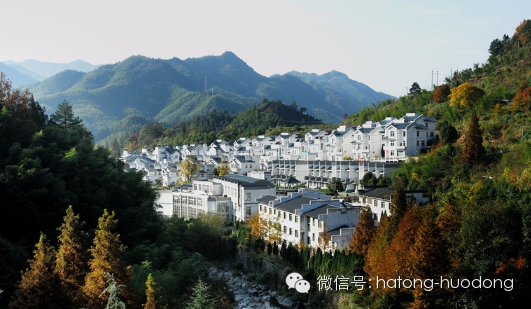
x=324 y=238
x=40 y=286
x=64 y=116
x=71 y=260
x=473 y=151
x=106 y=258
x=365 y=230
x=201 y=298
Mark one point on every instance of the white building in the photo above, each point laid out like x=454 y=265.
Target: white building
x=303 y=216
x=379 y=199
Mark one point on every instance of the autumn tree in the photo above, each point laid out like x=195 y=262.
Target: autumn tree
x=189 y=169
x=71 y=259
x=376 y=260
x=107 y=254
x=522 y=99
x=428 y=258
x=441 y=93
x=473 y=150
x=258 y=226
x=64 y=116
x=151 y=291
x=222 y=169
x=324 y=238
x=274 y=230
x=466 y=95
x=40 y=286
x=365 y=230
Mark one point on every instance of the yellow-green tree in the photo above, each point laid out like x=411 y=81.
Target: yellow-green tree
x=40 y=286
x=189 y=168
x=71 y=259
x=106 y=259
x=222 y=169
x=466 y=95
x=151 y=291
x=258 y=226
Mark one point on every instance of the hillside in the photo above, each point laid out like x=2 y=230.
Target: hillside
x=173 y=90
x=255 y=120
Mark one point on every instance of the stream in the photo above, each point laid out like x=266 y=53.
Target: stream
x=252 y=295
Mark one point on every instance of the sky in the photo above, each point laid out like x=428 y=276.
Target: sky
x=384 y=44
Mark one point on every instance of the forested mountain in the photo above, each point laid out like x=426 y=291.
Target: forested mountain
x=173 y=90
x=254 y=121
x=40 y=70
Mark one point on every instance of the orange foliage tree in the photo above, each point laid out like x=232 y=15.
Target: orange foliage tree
x=522 y=99
x=71 y=260
x=441 y=93
x=40 y=286
x=106 y=259
x=428 y=258
x=364 y=233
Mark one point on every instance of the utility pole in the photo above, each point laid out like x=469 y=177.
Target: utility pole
x=206 y=84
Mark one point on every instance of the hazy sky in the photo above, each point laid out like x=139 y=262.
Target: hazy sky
x=387 y=45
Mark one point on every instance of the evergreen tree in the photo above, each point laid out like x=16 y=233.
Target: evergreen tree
x=473 y=151
x=365 y=230
x=64 y=116
x=71 y=259
x=398 y=206
x=40 y=286
x=106 y=258
x=201 y=298
x=151 y=291
x=275 y=249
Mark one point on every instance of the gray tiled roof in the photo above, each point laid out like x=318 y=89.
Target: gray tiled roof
x=266 y=199
x=381 y=193
x=319 y=211
x=295 y=203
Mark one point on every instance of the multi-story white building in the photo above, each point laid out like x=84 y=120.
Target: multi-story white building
x=304 y=215
x=243 y=192
x=379 y=199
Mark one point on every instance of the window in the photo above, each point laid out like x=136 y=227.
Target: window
x=392 y=152
x=417 y=143
x=284 y=215
x=422 y=143
x=320 y=224
x=418 y=133
x=260 y=207
x=285 y=229
x=431 y=134
x=392 y=133
x=274 y=211
x=426 y=134
x=270 y=211
x=426 y=124
x=359 y=137
x=403 y=133
x=392 y=144
x=313 y=236
x=248 y=211
x=290 y=217
x=296 y=218
x=375 y=203
x=290 y=231
x=296 y=233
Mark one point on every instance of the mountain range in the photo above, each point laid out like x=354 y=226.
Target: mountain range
x=141 y=89
x=30 y=71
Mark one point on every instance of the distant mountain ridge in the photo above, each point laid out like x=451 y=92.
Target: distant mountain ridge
x=173 y=90
x=40 y=70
